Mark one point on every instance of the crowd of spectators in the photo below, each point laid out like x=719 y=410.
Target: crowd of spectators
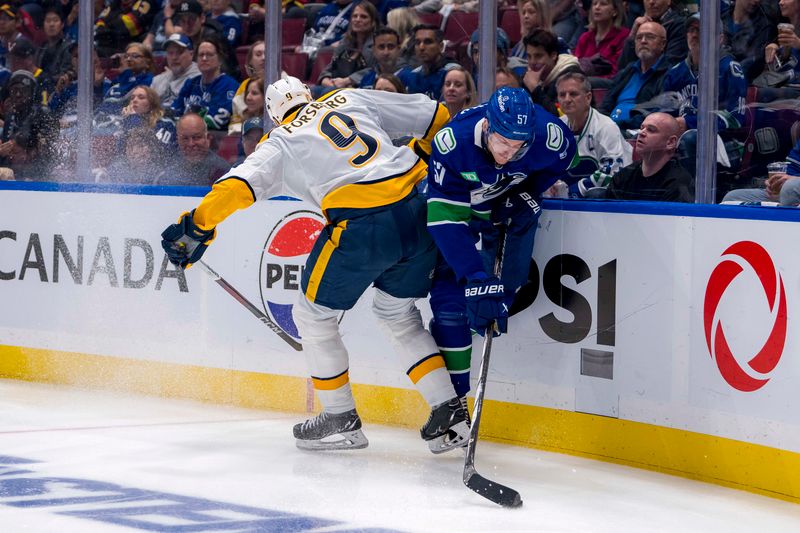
x=179 y=88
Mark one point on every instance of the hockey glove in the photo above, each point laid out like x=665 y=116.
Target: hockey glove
x=486 y=302
x=184 y=242
x=516 y=206
x=598 y=179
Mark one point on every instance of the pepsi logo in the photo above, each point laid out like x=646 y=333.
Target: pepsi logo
x=755 y=373
x=283 y=260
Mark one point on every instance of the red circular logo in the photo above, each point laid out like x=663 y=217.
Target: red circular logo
x=764 y=362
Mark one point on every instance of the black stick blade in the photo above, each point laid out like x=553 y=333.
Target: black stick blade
x=499 y=494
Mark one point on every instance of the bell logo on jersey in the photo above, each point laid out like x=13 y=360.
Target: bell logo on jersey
x=282 y=262
x=754 y=373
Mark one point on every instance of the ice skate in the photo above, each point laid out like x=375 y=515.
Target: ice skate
x=328 y=431
x=447 y=426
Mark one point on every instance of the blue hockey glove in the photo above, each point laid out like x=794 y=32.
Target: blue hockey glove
x=486 y=302
x=516 y=206
x=184 y=242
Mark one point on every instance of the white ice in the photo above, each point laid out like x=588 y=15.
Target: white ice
x=171 y=465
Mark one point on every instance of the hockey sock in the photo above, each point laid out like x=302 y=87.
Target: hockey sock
x=455 y=344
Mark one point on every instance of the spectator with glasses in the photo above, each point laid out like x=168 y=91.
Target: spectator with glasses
x=139 y=71
x=210 y=94
x=640 y=81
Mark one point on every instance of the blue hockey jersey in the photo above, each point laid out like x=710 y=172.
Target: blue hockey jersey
x=231 y=25
x=213 y=101
x=464 y=184
x=732 y=92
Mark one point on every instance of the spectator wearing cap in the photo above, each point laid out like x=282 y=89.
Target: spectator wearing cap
x=55 y=56
x=22 y=56
x=252 y=132
x=222 y=13
x=196 y=164
x=211 y=93
x=139 y=71
x=190 y=20
x=428 y=77
x=545 y=65
x=28 y=131
x=122 y=22
x=600 y=46
x=517 y=65
x=180 y=68
x=9 y=30
x=683 y=80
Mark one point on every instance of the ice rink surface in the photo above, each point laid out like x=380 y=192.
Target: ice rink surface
x=86 y=461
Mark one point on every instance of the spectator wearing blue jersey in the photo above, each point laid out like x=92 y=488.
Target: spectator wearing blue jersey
x=64 y=100
x=144 y=111
x=139 y=71
x=225 y=16
x=9 y=29
x=211 y=93
x=428 y=77
x=683 y=79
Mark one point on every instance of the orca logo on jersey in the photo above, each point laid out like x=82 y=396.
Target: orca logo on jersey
x=283 y=260
x=755 y=374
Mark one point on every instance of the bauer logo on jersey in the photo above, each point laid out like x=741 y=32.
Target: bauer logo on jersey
x=282 y=262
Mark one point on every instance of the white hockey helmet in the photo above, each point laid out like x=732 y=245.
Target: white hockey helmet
x=285 y=94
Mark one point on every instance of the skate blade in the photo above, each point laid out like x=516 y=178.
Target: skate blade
x=349 y=440
x=455 y=437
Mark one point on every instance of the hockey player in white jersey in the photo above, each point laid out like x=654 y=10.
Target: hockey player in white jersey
x=337 y=154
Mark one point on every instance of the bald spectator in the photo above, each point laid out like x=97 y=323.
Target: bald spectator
x=196 y=164
x=671 y=20
x=640 y=81
x=657 y=177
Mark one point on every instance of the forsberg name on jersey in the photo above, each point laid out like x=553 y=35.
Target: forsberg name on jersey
x=311 y=110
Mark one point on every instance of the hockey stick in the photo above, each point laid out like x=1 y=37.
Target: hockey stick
x=239 y=297
x=499 y=494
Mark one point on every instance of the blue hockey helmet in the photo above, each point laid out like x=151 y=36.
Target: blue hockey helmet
x=510 y=113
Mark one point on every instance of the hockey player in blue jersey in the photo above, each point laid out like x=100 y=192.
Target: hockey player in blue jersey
x=489 y=166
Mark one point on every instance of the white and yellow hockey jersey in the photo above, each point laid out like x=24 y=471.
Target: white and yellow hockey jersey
x=335 y=152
